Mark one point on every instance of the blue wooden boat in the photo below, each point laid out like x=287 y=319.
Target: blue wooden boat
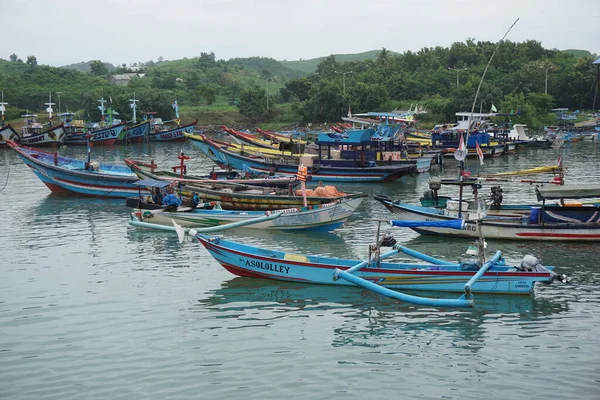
x=68 y=175
x=107 y=136
x=349 y=172
x=137 y=133
x=172 y=135
x=491 y=276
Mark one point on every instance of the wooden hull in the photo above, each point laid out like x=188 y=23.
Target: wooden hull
x=251 y=139
x=67 y=175
x=173 y=135
x=488 y=151
x=517 y=228
x=326 y=217
x=247 y=197
x=7 y=133
x=144 y=171
x=137 y=133
x=250 y=261
x=102 y=137
x=53 y=137
x=325 y=173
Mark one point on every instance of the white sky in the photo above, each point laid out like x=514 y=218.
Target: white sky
x=60 y=32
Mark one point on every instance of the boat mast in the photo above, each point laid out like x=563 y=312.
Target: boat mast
x=133 y=106
x=469 y=121
x=2 y=108
x=176 y=108
x=102 y=108
x=49 y=109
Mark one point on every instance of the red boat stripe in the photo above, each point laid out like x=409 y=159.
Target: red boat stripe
x=223 y=250
x=560 y=235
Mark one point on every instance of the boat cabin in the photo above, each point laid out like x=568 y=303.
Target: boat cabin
x=30 y=125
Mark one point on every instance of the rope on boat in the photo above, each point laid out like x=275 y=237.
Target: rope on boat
x=7 y=175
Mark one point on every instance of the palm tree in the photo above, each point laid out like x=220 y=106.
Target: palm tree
x=384 y=56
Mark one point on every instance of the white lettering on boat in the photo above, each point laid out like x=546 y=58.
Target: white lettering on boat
x=35 y=139
x=109 y=134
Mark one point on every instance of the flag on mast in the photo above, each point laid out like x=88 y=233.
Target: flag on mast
x=479 y=153
x=461 y=153
x=494 y=109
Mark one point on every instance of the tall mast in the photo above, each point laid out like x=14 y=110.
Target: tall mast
x=2 y=108
x=49 y=109
x=133 y=106
x=102 y=108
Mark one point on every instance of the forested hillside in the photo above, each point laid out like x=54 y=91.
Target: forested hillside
x=257 y=89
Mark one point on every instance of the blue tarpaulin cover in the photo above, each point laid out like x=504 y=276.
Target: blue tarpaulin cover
x=453 y=223
x=171 y=200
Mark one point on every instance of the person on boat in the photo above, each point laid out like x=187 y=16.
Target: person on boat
x=157 y=196
x=195 y=199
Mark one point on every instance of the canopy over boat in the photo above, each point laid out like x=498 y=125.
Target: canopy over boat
x=151 y=183
x=568 y=192
x=453 y=224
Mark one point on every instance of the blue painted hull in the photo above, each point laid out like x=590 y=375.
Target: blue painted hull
x=67 y=175
x=325 y=173
x=250 y=261
x=137 y=133
x=173 y=135
x=102 y=137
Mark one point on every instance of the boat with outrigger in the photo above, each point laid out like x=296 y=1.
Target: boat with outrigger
x=479 y=275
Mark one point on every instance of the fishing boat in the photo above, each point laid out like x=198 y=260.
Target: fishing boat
x=519 y=135
x=324 y=170
x=565 y=221
x=248 y=197
x=277 y=137
x=137 y=133
x=7 y=133
x=324 y=217
x=176 y=134
x=35 y=134
x=68 y=175
x=97 y=135
x=149 y=171
x=467 y=277
x=251 y=139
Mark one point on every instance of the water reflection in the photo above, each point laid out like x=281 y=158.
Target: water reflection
x=360 y=318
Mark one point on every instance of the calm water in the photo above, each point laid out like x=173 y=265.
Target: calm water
x=92 y=308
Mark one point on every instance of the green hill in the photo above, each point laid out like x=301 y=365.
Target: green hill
x=84 y=66
x=578 y=53
x=309 y=66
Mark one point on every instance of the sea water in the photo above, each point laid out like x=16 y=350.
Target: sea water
x=91 y=308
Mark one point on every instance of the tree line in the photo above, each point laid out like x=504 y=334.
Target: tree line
x=523 y=76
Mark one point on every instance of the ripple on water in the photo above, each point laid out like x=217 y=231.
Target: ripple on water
x=90 y=307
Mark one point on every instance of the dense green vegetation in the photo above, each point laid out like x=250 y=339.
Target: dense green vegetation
x=262 y=90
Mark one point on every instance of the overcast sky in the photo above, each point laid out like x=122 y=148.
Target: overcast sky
x=60 y=32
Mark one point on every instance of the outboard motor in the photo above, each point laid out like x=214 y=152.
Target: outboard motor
x=388 y=241
x=496 y=197
x=532 y=264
